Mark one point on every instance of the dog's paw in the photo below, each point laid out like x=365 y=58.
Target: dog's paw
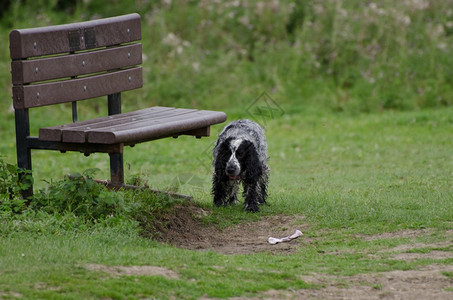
x=251 y=207
x=219 y=203
x=233 y=200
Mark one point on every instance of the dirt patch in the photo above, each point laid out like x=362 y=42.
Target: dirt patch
x=44 y=286
x=407 y=233
x=409 y=247
x=430 y=251
x=183 y=228
x=439 y=250
x=435 y=254
x=133 y=270
x=426 y=283
x=10 y=295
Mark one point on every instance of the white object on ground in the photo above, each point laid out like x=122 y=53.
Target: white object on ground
x=274 y=241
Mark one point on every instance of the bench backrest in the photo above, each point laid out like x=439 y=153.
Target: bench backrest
x=67 y=63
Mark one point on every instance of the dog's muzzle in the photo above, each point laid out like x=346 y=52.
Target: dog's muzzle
x=232 y=172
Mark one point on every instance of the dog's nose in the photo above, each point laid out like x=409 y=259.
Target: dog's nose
x=230 y=170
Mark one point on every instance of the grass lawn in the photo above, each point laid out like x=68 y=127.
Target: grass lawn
x=360 y=156
x=369 y=191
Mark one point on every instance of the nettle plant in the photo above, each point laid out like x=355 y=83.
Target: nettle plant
x=80 y=194
x=76 y=193
x=13 y=180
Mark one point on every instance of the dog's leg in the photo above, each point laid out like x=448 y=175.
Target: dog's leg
x=262 y=191
x=233 y=187
x=219 y=190
x=224 y=191
x=251 y=197
x=264 y=179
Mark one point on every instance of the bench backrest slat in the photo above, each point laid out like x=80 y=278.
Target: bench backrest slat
x=25 y=43
x=36 y=95
x=78 y=61
x=27 y=71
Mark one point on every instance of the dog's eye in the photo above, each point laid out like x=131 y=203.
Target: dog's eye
x=240 y=153
x=242 y=150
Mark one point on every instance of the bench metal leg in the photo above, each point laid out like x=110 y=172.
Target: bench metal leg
x=116 y=169
x=22 y=147
x=116 y=159
x=24 y=162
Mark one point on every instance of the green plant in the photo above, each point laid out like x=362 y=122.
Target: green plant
x=81 y=195
x=13 y=180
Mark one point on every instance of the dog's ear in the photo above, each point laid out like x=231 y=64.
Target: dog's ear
x=222 y=157
x=247 y=153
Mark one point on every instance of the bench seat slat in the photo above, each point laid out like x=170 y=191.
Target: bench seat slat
x=27 y=71
x=130 y=128
x=77 y=89
x=171 y=126
x=80 y=135
x=55 y=133
x=76 y=132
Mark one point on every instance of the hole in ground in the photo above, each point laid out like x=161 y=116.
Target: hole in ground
x=182 y=227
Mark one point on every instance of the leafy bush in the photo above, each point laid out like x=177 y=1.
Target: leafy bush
x=90 y=202
x=76 y=204
x=13 y=180
x=81 y=195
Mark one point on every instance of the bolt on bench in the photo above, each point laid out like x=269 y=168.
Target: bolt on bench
x=72 y=62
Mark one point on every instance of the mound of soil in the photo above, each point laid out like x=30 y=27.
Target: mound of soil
x=183 y=228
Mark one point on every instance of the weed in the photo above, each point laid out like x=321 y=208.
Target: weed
x=12 y=181
x=81 y=195
x=448 y=274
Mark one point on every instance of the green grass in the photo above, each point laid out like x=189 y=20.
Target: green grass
x=52 y=267
x=348 y=176
x=404 y=156
x=363 y=145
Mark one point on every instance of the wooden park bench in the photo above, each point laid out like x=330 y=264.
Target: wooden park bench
x=72 y=62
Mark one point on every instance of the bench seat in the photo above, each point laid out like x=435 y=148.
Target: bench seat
x=137 y=126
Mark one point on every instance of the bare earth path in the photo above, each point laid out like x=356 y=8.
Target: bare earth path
x=435 y=281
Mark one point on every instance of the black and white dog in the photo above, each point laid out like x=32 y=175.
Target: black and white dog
x=240 y=155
